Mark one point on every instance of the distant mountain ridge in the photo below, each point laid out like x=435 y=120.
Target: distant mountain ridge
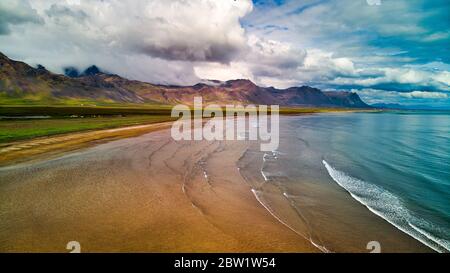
x=21 y=81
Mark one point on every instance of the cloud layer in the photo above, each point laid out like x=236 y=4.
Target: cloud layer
x=391 y=46
x=14 y=13
x=149 y=40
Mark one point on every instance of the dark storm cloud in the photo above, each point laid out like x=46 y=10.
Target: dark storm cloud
x=213 y=52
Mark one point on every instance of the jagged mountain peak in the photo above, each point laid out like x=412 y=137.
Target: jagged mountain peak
x=74 y=72
x=92 y=70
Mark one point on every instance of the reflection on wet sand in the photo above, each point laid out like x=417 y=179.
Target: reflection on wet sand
x=147 y=193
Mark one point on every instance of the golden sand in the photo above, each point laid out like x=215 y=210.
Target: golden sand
x=141 y=194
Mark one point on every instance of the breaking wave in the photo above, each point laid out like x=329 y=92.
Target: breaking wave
x=391 y=208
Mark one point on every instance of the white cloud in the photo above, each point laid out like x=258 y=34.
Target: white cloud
x=374 y=2
x=373 y=96
x=399 y=76
x=443 y=77
x=424 y=95
x=324 y=61
x=223 y=72
x=113 y=32
x=266 y=62
x=280 y=64
x=437 y=36
x=274 y=53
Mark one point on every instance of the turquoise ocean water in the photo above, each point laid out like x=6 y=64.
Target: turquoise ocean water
x=342 y=180
x=397 y=164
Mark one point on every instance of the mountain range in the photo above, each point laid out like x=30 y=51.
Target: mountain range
x=24 y=83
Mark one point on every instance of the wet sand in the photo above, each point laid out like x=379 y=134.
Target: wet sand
x=153 y=194
x=141 y=194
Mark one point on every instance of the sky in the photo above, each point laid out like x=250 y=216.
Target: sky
x=389 y=51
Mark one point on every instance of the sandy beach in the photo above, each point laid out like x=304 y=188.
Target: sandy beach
x=141 y=194
x=150 y=193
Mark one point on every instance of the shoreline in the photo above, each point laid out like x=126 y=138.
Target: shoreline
x=41 y=147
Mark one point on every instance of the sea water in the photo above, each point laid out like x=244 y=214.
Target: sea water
x=351 y=178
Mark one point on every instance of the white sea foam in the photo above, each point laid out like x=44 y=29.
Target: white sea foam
x=264 y=176
x=268 y=176
x=267 y=158
x=272 y=156
x=389 y=207
x=442 y=242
